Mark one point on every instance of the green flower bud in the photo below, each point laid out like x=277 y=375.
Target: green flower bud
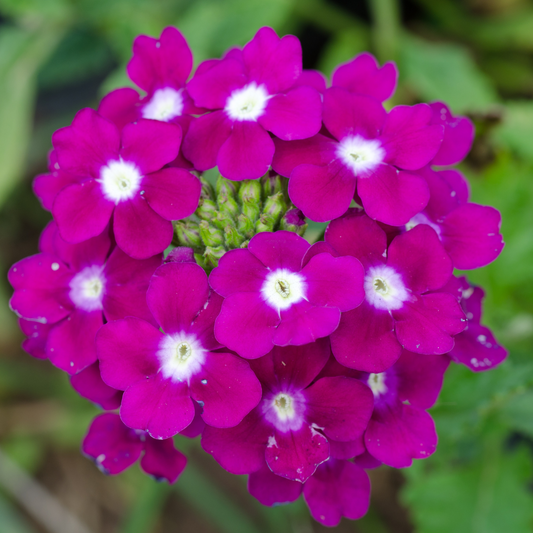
x=207 y=189
x=212 y=256
x=246 y=225
x=272 y=184
x=265 y=223
x=228 y=204
x=295 y=221
x=206 y=208
x=225 y=186
x=250 y=196
x=221 y=220
x=188 y=234
x=275 y=206
x=210 y=235
x=233 y=238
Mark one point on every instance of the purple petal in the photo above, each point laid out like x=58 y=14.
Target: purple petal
x=322 y=193
x=228 y=388
x=180 y=254
x=458 y=135
x=205 y=137
x=348 y=449
x=71 y=344
x=247 y=153
x=477 y=348
x=127 y=283
x=241 y=449
x=427 y=324
x=421 y=259
x=161 y=460
x=127 y=351
x=365 y=340
x=270 y=489
x=346 y=113
x=120 y=106
x=320 y=247
x=41 y=288
x=246 y=325
x=204 y=323
x=296 y=114
x=392 y=196
x=37 y=335
x=338 y=488
x=47 y=186
x=363 y=75
x=177 y=293
x=340 y=406
x=87 y=144
x=471 y=235
x=139 y=230
x=211 y=87
x=89 y=384
x=150 y=144
x=280 y=249
x=238 y=271
x=197 y=426
x=312 y=78
x=163 y=61
x=357 y=235
x=296 y=454
x=303 y=323
x=409 y=139
x=443 y=195
x=367 y=461
x=397 y=436
x=159 y=406
x=274 y=62
x=318 y=150
x=420 y=378
x=81 y=211
x=113 y=446
x=335 y=281
x=173 y=193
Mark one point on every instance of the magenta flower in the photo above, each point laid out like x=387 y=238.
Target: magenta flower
x=273 y=298
x=162 y=373
x=470 y=233
x=124 y=178
x=69 y=289
x=251 y=93
x=296 y=418
x=400 y=429
x=160 y=67
x=338 y=488
x=458 y=135
x=363 y=75
x=368 y=148
x=476 y=347
x=405 y=305
x=89 y=384
x=114 y=447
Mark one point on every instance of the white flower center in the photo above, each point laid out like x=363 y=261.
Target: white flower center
x=360 y=155
x=87 y=288
x=384 y=288
x=285 y=410
x=164 y=105
x=377 y=383
x=282 y=288
x=247 y=103
x=420 y=218
x=120 y=180
x=181 y=356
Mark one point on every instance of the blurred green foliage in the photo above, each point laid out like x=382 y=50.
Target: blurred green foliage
x=57 y=56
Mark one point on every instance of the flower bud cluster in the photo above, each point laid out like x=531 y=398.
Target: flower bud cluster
x=185 y=308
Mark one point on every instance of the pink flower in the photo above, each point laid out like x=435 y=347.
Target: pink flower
x=165 y=374
x=122 y=178
x=250 y=92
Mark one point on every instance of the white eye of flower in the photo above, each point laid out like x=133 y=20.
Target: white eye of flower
x=283 y=405
x=164 y=105
x=377 y=383
x=87 y=288
x=384 y=288
x=360 y=155
x=285 y=410
x=120 y=180
x=181 y=355
x=247 y=103
x=283 y=288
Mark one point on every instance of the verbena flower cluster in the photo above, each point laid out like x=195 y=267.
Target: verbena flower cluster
x=183 y=308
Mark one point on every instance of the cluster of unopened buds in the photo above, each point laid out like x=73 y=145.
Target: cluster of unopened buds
x=179 y=307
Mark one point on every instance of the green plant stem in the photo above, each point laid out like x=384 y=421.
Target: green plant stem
x=386 y=28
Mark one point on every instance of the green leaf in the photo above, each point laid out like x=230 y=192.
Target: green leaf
x=445 y=71
x=11 y=520
x=488 y=495
x=516 y=129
